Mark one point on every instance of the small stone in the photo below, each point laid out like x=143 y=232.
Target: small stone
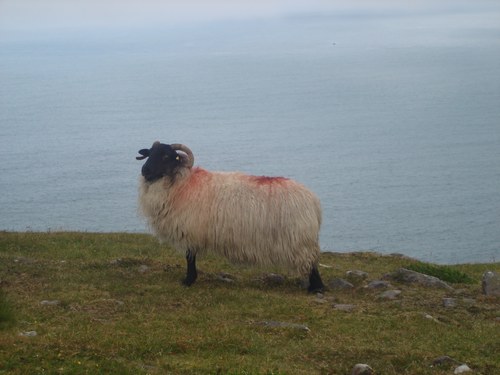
x=390 y=294
x=461 y=369
x=356 y=276
x=340 y=284
x=491 y=283
x=143 y=268
x=362 y=369
x=273 y=279
x=320 y=300
x=444 y=360
x=449 y=302
x=28 y=334
x=343 y=307
x=412 y=277
x=378 y=284
x=225 y=277
x=430 y=317
x=50 y=302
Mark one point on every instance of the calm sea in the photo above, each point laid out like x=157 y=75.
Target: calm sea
x=392 y=118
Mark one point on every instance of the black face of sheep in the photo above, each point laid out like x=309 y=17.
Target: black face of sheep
x=162 y=161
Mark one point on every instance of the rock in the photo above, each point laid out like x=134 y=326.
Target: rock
x=143 y=268
x=407 y=276
x=461 y=369
x=340 y=284
x=449 y=302
x=343 y=307
x=28 y=334
x=362 y=369
x=444 y=360
x=491 y=283
x=273 y=279
x=225 y=277
x=430 y=317
x=275 y=324
x=50 y=302
x=356 y=276
x=378 y=284
x=320 y=300
x=390 y=294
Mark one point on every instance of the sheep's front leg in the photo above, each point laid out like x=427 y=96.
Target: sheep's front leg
x=191 y=269
x=315 y=282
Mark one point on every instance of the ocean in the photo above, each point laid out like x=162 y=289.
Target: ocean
x=391 y=117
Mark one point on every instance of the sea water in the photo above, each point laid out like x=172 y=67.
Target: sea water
x=392 y=118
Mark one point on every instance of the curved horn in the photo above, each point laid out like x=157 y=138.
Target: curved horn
x=187 y=151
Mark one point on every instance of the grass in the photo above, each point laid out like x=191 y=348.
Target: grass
x=445 y=273
x=6 y=315
x=115 y=316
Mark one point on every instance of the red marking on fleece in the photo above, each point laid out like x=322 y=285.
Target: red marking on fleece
x=265 y=180
x=198 y=177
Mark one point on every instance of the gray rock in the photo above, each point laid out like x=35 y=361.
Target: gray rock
x=444 y=360
x=340 y=284
x=378 y=284
x=50 y=302
x=491 y=283
x=461 y=369
x=390 y=294
x=143 y=268
x=28 y=334
x=449 y=302
x=225 y=277
x=362 y=369
x=356 y=276
x=430 y=317
x=275 y=324
x=343 y=307
x=412 y=277
x=273 y=279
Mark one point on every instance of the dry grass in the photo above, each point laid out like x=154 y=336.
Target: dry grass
x=115 y=316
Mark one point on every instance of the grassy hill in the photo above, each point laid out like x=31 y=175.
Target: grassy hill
x=114 y=304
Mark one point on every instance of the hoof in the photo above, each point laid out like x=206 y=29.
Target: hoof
x=320 y=289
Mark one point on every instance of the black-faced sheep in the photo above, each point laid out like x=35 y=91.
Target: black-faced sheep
x=247 y=219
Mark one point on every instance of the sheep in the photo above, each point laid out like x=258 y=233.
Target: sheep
x=254 y=220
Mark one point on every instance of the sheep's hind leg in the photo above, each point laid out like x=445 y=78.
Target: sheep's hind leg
x=191 y=269
x=315 y=283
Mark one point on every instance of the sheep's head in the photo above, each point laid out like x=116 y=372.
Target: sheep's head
x=164 y=160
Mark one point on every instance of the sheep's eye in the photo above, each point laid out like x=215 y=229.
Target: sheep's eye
x=177 y=158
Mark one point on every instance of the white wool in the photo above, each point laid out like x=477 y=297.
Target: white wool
x=247 y=219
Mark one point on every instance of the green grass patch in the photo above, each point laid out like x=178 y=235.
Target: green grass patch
x=6 y=313
x=118 y=307
x=445 y=273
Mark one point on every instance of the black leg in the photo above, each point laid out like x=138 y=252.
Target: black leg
x=315 y=282
x=191 y=269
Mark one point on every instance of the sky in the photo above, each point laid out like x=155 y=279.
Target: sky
x=73 y=14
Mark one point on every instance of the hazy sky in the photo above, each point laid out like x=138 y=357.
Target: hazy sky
x=61 y=14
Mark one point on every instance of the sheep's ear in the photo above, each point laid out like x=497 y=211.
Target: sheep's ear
x=144 y=152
